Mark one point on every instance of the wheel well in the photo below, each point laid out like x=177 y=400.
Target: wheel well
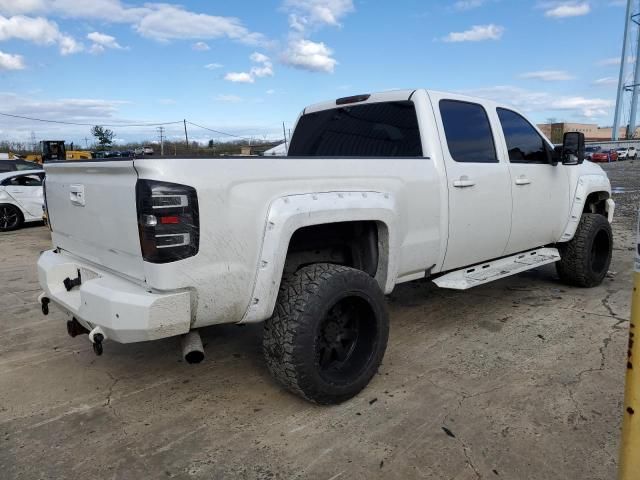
x=14 y=206
x=353 y=244
x=596 y=203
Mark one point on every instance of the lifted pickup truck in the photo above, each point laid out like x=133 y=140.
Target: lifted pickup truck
x=376 y=190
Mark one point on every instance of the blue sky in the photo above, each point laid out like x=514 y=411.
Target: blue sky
x=244 y=67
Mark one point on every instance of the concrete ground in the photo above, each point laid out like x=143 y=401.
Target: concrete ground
x=522 y=378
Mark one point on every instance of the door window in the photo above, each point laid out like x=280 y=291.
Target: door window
x=524 y=143
x=468 y=132
x=24 y=181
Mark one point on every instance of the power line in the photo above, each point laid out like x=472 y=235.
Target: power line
x=88 y=124
x=218 y=131
x=116 y=125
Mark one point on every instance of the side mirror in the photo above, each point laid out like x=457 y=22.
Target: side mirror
x=573 y=148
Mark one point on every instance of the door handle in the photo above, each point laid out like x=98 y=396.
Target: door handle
x=463 y=182
x=522 y=181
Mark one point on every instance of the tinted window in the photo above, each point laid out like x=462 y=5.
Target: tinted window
x=386 y=129
x=24 y=165
x=6 y=166
x=524 y=143
x=468 y=132
x=24 y=181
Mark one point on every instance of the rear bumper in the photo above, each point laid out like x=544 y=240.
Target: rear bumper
x=125 y=311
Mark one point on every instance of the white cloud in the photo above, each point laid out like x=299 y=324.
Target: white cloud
x=468 y=4
x=239 y=77
x=18 y=7
x=200 y=46
x=477 y=33
x=213 y=66
x=37 y=30
x=168 y=22
x=306 y=13
x=566 y=9
x=11 y=62
x=548 y=75
x=263 y=69
x=533 y=102
x=271 y=91
x=308 y=55
x=102 y=41
x=606 y=81
x=258 y=57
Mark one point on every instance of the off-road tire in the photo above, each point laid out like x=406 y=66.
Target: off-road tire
x=586 y=258
x=295 y=337
x=15 y=213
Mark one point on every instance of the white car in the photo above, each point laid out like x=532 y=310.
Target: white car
x=21 y=198
x=375 y=190
x=626 y=153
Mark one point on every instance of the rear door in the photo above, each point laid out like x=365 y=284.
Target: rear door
x=478 y=183
x=26 y=189
x=541 y=199
x=93 y=214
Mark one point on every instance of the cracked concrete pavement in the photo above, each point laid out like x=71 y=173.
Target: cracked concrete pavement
x=522 y=378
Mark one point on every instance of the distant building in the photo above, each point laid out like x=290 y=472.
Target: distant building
x=592 y=132
x=251 y=150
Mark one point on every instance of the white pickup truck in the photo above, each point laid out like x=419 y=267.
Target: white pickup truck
x=376 y=190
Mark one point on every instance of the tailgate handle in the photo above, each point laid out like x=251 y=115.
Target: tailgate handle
x=76 y=195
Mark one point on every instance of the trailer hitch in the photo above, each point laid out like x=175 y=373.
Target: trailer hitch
x=69 y=284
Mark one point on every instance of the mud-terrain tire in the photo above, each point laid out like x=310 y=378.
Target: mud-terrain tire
x=586 y=258
x=10 y=218
x=328 y=333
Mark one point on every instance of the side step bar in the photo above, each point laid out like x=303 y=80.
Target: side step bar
x=496 y=269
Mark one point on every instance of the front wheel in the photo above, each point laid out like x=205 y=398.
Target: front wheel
x=586 y=258
x=10 y=218
x=328 y=333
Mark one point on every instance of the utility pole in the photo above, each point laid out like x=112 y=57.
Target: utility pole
x=86 y=143
x=634 y=92
x=33 y=140
x=621 y=85
x=186 y=137
x=161 y=133
x=284 y=132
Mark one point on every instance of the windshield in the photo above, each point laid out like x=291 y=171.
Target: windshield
x=385 y=129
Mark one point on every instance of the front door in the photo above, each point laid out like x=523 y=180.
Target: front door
x=541 y=199
x=479 y=184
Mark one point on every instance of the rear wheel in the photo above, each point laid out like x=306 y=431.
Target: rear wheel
x=10 y=218
x=586 y=258
x=328 y=333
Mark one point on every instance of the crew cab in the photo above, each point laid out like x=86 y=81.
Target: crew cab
x=375 y=190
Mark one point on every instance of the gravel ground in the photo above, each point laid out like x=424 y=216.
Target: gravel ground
x=521 y=378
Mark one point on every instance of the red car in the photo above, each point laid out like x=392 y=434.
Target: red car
x=605 y=156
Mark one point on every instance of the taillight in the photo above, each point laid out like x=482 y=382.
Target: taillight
x=168 y=221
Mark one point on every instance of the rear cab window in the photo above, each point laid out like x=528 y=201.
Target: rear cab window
x=384 y=129
x=468 y=132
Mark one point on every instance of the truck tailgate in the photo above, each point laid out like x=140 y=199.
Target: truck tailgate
x=92 y=211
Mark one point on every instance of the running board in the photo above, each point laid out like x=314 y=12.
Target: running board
x=497 y=269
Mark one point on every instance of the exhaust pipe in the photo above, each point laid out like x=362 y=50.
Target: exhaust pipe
x=74 y=328
x=192 y=349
